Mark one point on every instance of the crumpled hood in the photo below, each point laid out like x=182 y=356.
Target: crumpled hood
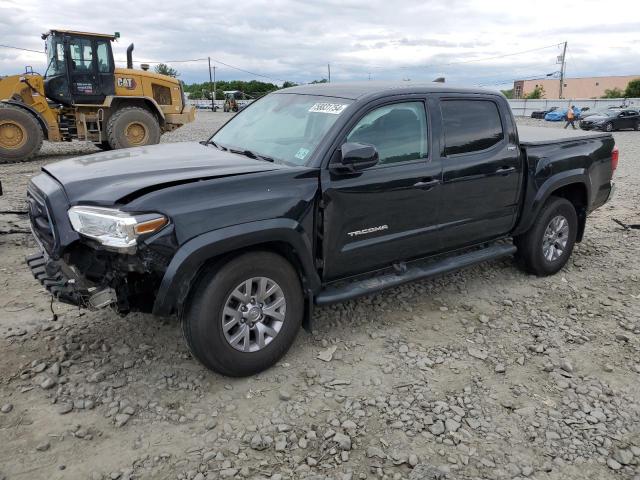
x=108 y=177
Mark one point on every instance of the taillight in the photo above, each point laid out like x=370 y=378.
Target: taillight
x=614 y=159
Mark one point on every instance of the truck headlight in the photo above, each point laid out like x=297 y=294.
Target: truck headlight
x=114 y=228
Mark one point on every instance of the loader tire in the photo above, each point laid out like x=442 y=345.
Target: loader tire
x=21 y=135
x=133 y=127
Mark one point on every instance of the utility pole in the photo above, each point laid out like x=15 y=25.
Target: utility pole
x=213 y=95
x=214 y=88
x=564 y=53
x=329 y=71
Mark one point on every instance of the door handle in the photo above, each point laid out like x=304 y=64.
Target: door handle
x=427 y=184
x=506 y=170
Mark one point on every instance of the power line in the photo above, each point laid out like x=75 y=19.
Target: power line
x=495 y=57
x=204 y=60
x=23 y=49
x=475 y=60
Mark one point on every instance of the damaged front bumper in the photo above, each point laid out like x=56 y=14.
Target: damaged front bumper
x=66 y=286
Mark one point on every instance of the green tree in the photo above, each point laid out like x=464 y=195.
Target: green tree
x=613 y=93
x=164 y=69
x=288 y=84
x=508 y=93
x=324 y=80
x=633 y=89
x=537 y=93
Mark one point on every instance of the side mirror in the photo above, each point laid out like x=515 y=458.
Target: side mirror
x=355 y=157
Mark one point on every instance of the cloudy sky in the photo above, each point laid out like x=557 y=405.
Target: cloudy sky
x=467 y=41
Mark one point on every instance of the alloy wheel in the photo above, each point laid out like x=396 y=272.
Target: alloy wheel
x=554 y=241
x=253 y=314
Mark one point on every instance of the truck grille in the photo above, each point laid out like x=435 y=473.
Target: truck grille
x=40 y=219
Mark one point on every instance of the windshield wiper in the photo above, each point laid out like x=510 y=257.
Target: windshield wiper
x=211 y=142
x=250 y=154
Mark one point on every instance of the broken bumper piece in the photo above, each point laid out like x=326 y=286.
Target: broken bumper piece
x=67 y=287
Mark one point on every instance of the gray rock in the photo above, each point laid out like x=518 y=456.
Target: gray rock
x=43 y=447
x=6 y=408
x=623 y=456
x=437 y=428
x=500 y=368
x=284 y=395
x=228 y=472
x=566 y=366
x=477 y=353
x=65 y=408
x=343 y=441
x=48 y=383
x=612 y=464
x=426 y=472
x=55 y=369
x=375 y=452
x=122 y=419
x=451 y=425
x=258 y=442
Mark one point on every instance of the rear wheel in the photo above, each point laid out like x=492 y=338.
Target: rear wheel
x=548 y=244
x=20 y=134
x=133 y=127
x=243 y=317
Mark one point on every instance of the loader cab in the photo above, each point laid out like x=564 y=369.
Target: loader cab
x=80 y=67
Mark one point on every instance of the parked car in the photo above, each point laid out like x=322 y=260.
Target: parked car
x=561 y=115
x=541 y=113
x=312 y=195
x=612 y=119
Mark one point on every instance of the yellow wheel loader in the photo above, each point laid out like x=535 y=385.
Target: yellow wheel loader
x=83 y=96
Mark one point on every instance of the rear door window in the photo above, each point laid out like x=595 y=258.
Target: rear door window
x=470 y=125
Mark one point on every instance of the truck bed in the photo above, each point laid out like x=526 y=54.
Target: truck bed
x=545 y=136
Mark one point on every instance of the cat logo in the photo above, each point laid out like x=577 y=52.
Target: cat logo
x=128 y=83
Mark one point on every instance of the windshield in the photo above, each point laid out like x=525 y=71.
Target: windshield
x=55 y=57
x=284 y=127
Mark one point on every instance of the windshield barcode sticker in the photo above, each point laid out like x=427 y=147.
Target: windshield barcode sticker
x=332 y=108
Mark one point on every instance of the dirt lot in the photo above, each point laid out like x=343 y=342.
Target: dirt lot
x=487 y=373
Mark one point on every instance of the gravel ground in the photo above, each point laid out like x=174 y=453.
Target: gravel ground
x=487 y=373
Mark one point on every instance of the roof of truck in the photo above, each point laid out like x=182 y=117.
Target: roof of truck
x=355 y=90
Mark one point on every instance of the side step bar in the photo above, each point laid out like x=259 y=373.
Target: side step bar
x=371 y=285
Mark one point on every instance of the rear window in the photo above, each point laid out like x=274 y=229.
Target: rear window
x=470 y=125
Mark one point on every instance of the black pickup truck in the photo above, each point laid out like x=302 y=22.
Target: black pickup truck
x=312 y=195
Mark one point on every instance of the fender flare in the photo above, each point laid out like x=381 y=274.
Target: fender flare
x=33 y=111
x=531 y=209
x=156 y=108
x=186 y=263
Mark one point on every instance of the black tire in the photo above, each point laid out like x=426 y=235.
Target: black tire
x=530 y=244
x=202 y=317
x=133 y=127
x=21 y=135
x=103 y=146
x=608 y=127
x=637 y=127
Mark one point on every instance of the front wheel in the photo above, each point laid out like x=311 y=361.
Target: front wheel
x=608 y=127
x=243 y=317
x=637 y=127
x=133 y=127
x=548 y=244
